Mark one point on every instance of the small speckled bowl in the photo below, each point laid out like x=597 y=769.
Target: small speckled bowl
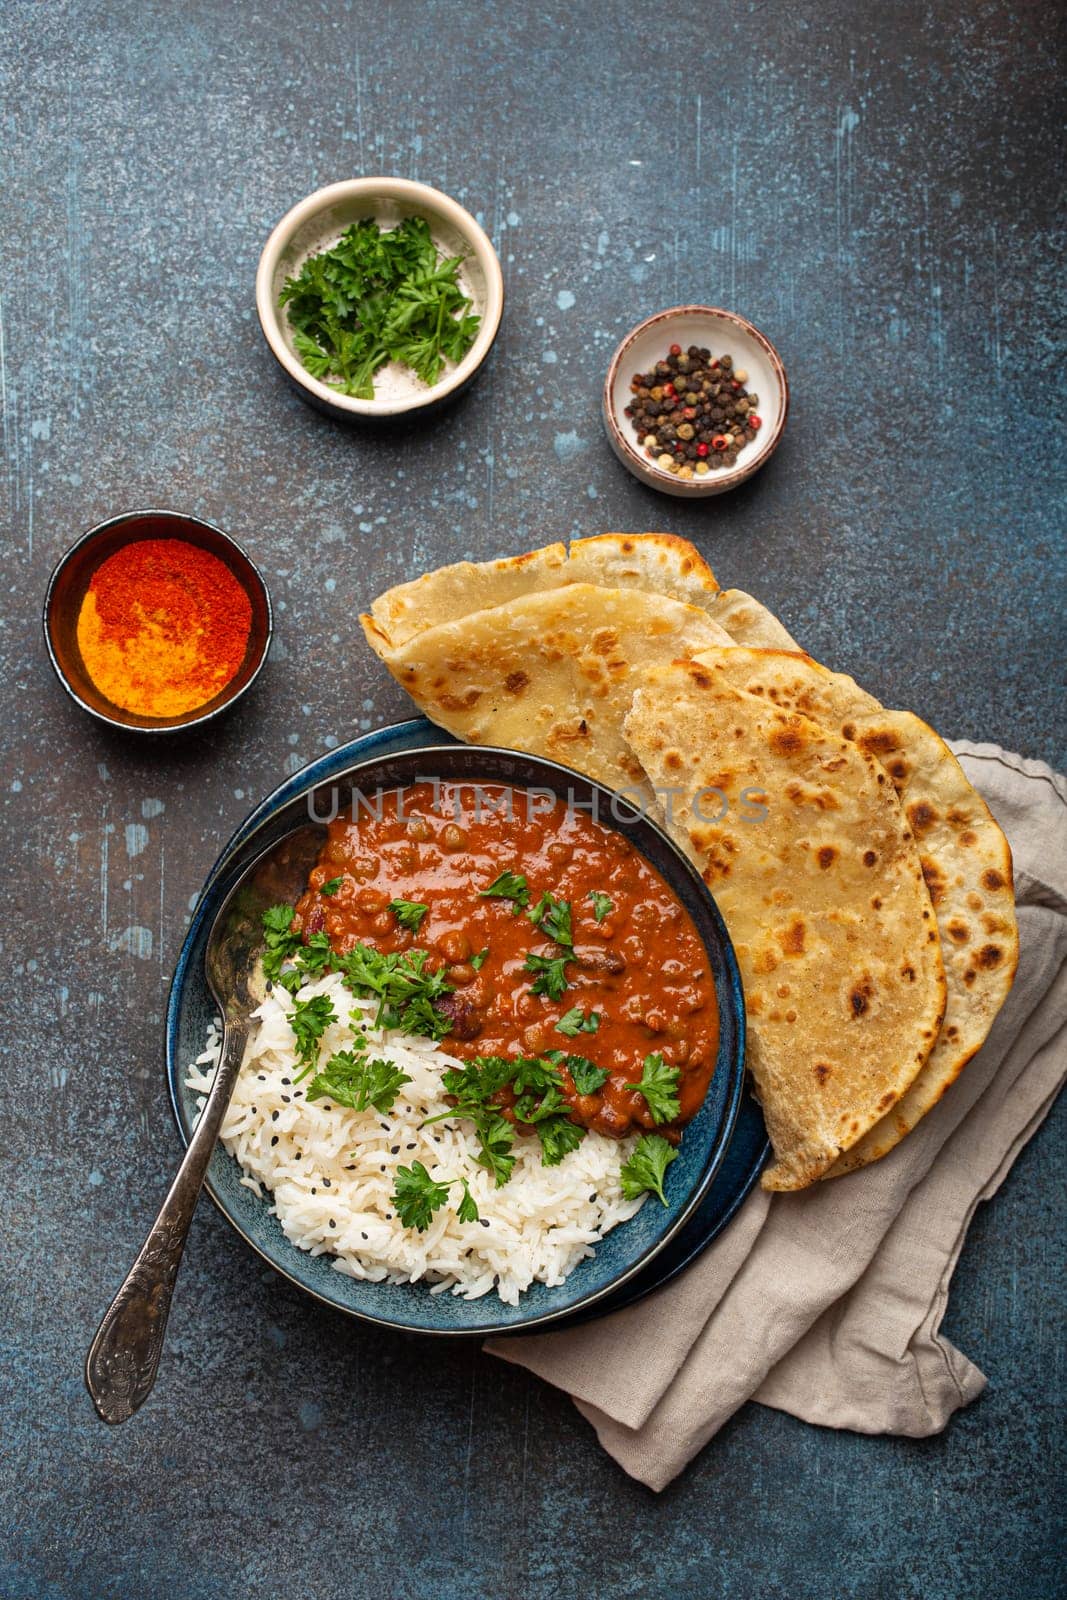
x=316 y=224
x=723 y=333
x=67 y=589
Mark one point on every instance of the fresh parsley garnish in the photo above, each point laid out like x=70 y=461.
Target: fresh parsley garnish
x=467 y=1210
x=558 y=1136
x=553 y=917
x=659 y=1085
x=314 y=958
x=280 y=940
x=551 y=974
x=409 y=913
x=404 y=989
x=332 y=887
x=417 y=1196
x=644 y=1172
x=602 y=904
x=509 y=886
x=577 y=1021
x=309 y=1020
x=376 y=297
x=495 y=1137
x=536 y=1084
x=352 y=1080
x=586 y=1076
x=478 y=961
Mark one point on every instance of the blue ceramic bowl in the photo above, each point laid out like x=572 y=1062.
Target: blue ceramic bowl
x=628 y=1248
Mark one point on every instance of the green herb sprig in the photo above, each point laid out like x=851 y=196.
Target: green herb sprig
x=417 y=1196
x=350 y=1079
x=646 y=1168
x=376 y=297
x=659 y=1085
x=603 y=904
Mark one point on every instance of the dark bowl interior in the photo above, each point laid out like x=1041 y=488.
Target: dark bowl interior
x=71 y=579
x=625 y=1250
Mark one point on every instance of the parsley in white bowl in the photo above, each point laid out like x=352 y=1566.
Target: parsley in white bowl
x=379 y=296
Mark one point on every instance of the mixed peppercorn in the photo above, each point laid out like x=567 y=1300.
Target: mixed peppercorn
x=692 y=412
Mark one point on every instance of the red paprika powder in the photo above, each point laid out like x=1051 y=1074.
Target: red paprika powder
x=163 y=627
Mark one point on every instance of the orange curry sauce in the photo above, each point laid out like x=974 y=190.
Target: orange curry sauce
x=642 y=969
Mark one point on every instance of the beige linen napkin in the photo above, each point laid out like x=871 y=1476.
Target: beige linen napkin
x=828 y=1303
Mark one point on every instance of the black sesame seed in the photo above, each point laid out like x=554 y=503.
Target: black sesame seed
x=275 y=1115
x=409 y=1147
x=394 y=1150
x=288 y=1099
x=287 y=1082
x=484 y=1221
x=332 y=1223
x=364 y=1235
x=326 y=1184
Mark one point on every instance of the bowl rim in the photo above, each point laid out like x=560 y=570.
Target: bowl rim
x=406 y=189
x=240 y=842
x=718 y=482
x=98 y=530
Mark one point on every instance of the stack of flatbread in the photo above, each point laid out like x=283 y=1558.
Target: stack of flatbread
x=865 y=885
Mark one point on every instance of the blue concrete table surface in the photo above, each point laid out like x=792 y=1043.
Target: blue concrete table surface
x=876 y=187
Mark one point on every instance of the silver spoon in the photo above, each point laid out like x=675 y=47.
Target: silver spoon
x=123 y=1359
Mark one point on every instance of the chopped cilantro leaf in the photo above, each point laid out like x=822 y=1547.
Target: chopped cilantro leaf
x=577 y=1021
x=659 y=1085
x=603 y=904
x=478 y=961
x=644 y=1172
x=509 y=886
x=551 y=974
x=332 y=887
x=409 y=913
x=553 y=917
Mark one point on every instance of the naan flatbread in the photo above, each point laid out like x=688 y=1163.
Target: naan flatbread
x=825 y=902
x=550 y=672
x=657 y=562
x=750 y=623
x=964 y=855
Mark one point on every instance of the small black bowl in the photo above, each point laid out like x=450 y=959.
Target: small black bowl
x=67 y=589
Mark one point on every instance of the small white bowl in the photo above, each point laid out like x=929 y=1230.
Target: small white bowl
x=316 y=224
x=724 y=334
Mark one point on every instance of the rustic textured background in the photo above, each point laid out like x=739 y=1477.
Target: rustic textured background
x=875 y=186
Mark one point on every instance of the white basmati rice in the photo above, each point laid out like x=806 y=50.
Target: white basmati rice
x=330 y=1171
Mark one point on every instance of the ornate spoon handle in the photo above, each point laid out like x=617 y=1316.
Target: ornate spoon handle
x=123 y=1358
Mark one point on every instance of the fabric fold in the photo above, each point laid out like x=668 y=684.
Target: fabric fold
x=828 y=1303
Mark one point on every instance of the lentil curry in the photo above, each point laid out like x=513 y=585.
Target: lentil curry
x=555 y=935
